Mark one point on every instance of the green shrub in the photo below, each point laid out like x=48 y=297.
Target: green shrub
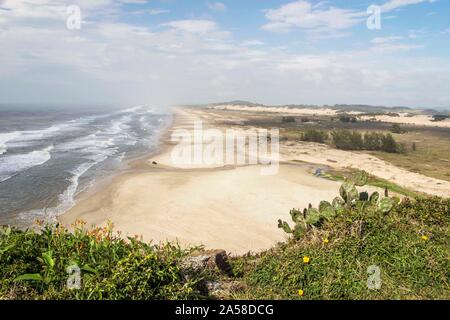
x=313 y=135
x=396 y=128
x=33 y=265
x=288 y=119
x=353 y=140
x=440 y=117
x=142 y=276
x=347 y=140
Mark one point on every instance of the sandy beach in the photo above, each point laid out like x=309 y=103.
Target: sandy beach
x=235 y=208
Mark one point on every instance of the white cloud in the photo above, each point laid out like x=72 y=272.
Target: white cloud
x=391 y=48
x=217 y=6
x=395 y=4
x=253 y=42
x=194 y=61
x=302 y=14
x=193 y=26
x=157 y=11
x=322 y=18
x=381 y=40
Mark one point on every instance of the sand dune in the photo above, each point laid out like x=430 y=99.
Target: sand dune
x=340 y=159
x=417 y=120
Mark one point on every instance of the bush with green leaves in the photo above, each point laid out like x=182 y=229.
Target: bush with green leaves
x=313 y=135
x=375 y=141
x=34 y=265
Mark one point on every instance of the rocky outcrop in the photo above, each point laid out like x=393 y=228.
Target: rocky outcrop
x=211 y=260
x=214 y=259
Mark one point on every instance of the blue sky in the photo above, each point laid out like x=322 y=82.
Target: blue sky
x=166 y=52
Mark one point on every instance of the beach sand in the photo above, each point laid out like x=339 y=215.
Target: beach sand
x=228 y=207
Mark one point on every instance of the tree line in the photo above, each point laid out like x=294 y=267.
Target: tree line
x=354 y=140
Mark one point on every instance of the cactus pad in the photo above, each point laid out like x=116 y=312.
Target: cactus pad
x=284 y=225
x=360 y=178
x=313 y=216
x=348 y=192
x=299 y=230
x=385 y=205
x=326 y=210
x=338 y=204
x=374 y=197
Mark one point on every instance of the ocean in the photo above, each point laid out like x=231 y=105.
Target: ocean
x=49 y=155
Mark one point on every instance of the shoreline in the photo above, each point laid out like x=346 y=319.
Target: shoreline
x=229 y=207
x=133 y=164
x=193 y=206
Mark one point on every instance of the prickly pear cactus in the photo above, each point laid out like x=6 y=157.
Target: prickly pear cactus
x=284 y=225
x=360 y=178
x=295 y=215
x=348 y=192
x=299 y=230
x=385 y=205
x=338 y=204
x=326 y=210
x=374 y=197
x=313 y=216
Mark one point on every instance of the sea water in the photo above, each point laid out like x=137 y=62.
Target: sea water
x=49 y=155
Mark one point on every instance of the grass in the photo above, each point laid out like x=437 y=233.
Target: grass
x=410 y=245
x=432 y=155
x=431 y=158
x=372 y=181
x=33 y=265
x=411 y=267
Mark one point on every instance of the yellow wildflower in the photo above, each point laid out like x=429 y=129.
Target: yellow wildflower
x=300 y=292
x=306 y=259
x=424 y=238
x=325 y=241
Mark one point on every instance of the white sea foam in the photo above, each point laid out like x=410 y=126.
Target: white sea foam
x=103 y=142
x=13 y=164
x=5 y=138
x=28 y=137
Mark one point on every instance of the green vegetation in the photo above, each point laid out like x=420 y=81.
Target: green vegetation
x=331 y=255
x=440 y=117
x=313 y=135
x=350 y=197
x=346 y=118
x=407 y=241
x=354 y=140
x=427 y=152
x=372 y=181
x=396 y=128
x=35 y=266
x=288 y=119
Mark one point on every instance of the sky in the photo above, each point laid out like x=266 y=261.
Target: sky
x=168 y=52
